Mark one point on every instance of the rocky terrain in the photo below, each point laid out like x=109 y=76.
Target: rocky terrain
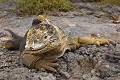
x=86 y=63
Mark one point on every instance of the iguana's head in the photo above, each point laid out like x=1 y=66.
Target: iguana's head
x=41 y=39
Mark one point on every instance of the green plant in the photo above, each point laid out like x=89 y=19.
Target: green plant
x=1 y=1
x=42 y=6
x=113 y=2
x=90 y=0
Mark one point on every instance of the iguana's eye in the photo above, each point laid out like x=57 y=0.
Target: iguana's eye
x=45 y=37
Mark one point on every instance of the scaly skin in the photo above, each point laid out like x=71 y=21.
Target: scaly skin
x=44 y=43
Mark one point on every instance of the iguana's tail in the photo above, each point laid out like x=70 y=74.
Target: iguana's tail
x=13 y=34
x=11 y=42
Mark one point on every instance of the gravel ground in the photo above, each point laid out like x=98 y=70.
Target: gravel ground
x=86 y=63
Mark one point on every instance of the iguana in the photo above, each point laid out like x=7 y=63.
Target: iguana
x=44 y=43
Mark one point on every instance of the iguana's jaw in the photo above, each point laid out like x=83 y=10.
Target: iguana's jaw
x=39 y=51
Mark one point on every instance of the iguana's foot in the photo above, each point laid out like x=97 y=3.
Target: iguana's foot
x=83 y=41
x=103 y=41
x=44 y=65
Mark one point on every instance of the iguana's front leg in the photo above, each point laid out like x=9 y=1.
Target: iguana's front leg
x=39 y=62
x=79 y=42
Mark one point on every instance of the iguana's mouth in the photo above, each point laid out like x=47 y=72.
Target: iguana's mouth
x=35 y=47
x=43 y=49
x=36 y=51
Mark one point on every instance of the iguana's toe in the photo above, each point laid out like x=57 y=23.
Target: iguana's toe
x=99 y=42
x=49 y=68
x=53 y=64
x=112 y=42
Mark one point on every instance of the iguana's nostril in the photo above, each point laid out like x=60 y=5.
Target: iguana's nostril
x=31 y=48
x=36 y=42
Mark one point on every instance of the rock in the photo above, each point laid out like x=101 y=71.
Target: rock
x=87 y=65
x=89 y=77
x=114 y=78
x=43 y=76
x=66 y=74
x=24 y=74
x=1 y=52
x=72 y=25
